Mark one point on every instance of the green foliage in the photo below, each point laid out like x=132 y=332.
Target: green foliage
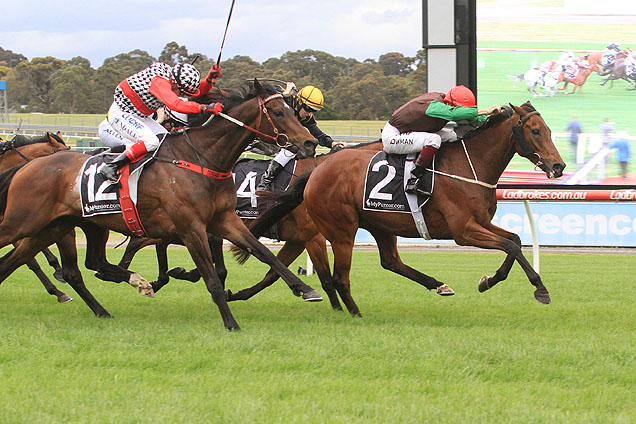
x=56 y=86
x=415 y=357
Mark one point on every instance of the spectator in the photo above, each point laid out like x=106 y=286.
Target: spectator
x=575 y=128
x=623 y=151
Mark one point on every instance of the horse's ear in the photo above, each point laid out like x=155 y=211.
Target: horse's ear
x=258 y=87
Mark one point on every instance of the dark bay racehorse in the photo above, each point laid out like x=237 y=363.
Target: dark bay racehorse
x=297 y=230
x=19 y=150
x=618 y=72
x=173 y=202
x=458 y=210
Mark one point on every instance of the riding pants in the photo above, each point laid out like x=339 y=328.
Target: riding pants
x=283 y=157
x=413 y=142
x=126 y=128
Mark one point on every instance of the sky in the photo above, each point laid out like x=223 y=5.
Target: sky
x=259 y=29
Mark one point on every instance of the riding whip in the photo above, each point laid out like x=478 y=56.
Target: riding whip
x=225 y=34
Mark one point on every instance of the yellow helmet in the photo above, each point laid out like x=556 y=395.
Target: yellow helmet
x=312 y=97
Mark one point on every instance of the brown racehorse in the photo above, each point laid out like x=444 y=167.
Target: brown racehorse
x=460 y=208
x=579 y=79
x=297 y=230
x=173 y=202
x=596 y=59
x=17 y=151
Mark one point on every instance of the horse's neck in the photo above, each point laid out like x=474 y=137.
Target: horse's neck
x=490 y=154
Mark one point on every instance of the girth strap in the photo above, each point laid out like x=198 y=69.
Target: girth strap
x=202 y=170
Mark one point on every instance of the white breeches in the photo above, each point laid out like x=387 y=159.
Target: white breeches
x=284 y=156
x=413 y=142
x=125 y=128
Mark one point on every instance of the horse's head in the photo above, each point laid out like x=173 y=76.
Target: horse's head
x=279 y=121
x=56 y=141
x=533 y=140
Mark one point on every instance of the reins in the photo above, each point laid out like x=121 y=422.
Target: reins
x=210 y=173
x=517 y=133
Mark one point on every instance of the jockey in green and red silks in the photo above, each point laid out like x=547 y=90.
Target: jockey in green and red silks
x=129 y=120
x=418 y=126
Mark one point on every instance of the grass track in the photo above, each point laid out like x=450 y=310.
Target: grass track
x=415 y=357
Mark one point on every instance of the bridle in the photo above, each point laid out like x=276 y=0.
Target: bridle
x=10 y=145
x=281 y=139
x=517 y=133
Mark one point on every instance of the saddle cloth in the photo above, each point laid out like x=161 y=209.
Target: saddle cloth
x=384 y=184
x=99 y=196
x=247 y=174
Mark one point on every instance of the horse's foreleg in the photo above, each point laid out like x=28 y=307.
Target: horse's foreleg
x=390 y=259
x=233 y=229
x=55 y=264
x=473 y=234
x=216 y=247
x=317 y=251
x=197 y=244
x=96 y=238
x=48 y=285
x=287 y=254
x=342 y=253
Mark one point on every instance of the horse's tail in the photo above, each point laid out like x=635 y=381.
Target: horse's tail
x=280 y=204
x=5 y=181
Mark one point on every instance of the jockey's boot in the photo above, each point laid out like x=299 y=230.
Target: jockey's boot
x=132 y=153
x=416 y=184
x=110 y=170
x=268 y=177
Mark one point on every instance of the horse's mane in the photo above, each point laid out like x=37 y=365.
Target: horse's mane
x=496 y=119
x=229 y=97
x=236 y=96
x=20 y=140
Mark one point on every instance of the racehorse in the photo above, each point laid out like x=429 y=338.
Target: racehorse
x=579 y=79
x=297 y=230
x=536 y=78
x=174 y=200
x=21 y=149
x=461 y=207
x=620 y=71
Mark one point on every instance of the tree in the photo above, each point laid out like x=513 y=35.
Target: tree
x=10 y=59
x=173 y=53
x=37 y=74
x=73 y=90
x=396 y=64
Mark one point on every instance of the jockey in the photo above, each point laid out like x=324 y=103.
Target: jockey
x=307 y=101
x=418 y=126
x=609 y=54
x=129 y=119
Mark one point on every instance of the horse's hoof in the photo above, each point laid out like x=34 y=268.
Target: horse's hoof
x=542 y=296
x=64 y=298
x=148 y=291
x=59 y=276
x=445 y=290
x=312 y=296
x=483 y=284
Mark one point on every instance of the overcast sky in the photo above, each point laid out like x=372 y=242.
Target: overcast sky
x=259 y=29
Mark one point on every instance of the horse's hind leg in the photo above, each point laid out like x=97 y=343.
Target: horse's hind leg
x=342 y=253
x=72 y=274
x=48 y=285
x=55 y=264
x=216 y=247
x=390 y=259
x=96 y=238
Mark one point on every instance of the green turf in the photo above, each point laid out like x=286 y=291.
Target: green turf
x=497 y=357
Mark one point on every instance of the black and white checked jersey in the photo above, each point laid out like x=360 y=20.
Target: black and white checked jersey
x=140 y=84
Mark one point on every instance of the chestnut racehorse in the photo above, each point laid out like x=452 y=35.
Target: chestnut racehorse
x=19 y=150
x=461 y=208
x=173 y=201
